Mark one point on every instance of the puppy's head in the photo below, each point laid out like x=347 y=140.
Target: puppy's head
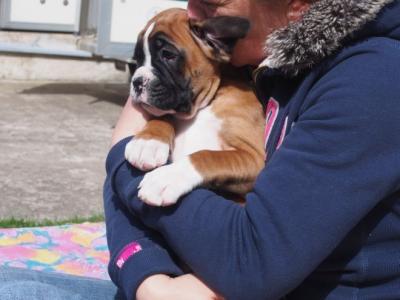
x=178 y=61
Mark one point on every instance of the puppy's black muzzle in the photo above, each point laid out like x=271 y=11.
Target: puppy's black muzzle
x=170 y=97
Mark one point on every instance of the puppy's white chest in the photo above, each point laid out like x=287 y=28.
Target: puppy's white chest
x=201 y=133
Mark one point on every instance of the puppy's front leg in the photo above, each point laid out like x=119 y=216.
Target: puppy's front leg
x=231 y=170
x=164 y=185
x=150 y=148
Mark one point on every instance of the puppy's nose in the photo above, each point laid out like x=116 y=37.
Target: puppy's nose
x=138 y=85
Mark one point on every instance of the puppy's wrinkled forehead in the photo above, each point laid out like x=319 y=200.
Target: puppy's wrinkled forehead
x=214 y=37
x=172 y=24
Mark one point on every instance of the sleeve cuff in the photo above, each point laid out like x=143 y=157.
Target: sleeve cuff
x=116 y=155
x=124 y=177
x=138 y=267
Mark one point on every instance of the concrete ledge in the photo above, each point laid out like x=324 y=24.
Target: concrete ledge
x=42 y=68
x=52 y=57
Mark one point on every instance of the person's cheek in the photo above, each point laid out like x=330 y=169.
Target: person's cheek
x=194 y=10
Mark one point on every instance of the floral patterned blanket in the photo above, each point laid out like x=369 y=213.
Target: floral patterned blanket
x=78 y=249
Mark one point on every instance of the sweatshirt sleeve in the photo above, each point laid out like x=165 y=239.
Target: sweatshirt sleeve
x=339 y=160
x=136 y=252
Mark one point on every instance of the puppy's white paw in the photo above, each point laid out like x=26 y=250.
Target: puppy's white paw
x=164 y=186
x=146 y=154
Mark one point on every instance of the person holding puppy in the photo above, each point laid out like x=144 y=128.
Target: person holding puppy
x=322 y=221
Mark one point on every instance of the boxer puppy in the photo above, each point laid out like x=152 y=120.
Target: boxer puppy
x=205 y=119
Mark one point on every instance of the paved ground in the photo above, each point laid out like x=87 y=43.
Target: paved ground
x=53 y=141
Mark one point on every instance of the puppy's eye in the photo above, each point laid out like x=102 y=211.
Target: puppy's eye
x=158 y=43
x=168 y=55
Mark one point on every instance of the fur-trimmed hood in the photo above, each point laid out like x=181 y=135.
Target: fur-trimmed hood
x=324 y=29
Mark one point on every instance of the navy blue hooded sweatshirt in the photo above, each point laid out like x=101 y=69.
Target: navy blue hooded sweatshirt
x=323 y=220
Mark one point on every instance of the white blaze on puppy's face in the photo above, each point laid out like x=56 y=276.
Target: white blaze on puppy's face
x=144 y=74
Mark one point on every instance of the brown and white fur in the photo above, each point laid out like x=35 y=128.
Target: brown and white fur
x=206 y=118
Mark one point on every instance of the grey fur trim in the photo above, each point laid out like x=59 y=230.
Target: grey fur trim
x=305 y=43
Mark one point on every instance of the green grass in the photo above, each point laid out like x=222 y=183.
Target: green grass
x=17 y=223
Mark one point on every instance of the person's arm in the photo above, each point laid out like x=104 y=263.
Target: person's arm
x=339 y=160
x=145 y=277
x=136 y=252
x=132 y=119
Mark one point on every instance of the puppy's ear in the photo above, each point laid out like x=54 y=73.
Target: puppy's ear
x=217 y=36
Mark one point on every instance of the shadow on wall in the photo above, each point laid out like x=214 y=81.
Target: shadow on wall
x=112 y=93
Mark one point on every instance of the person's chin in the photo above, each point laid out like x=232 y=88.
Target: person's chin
x=242 y=58
x=240 y=62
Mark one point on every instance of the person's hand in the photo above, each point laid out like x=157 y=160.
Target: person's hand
x=163 y=287
x=132 y=120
